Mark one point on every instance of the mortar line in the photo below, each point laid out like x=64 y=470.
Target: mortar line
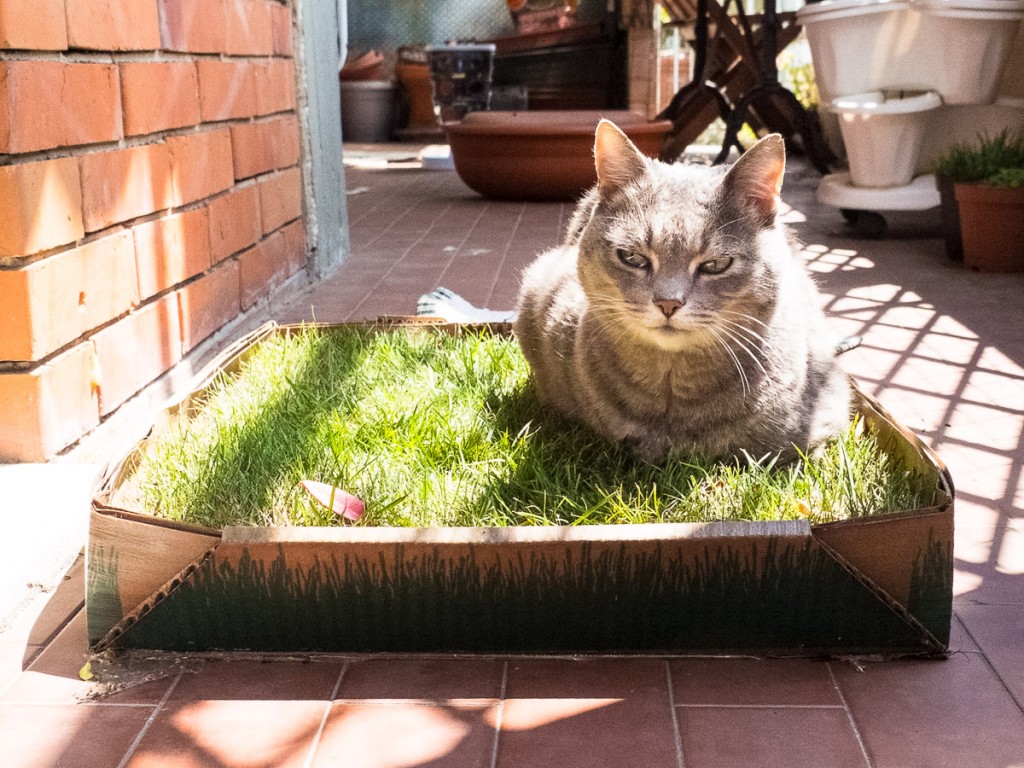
x=315 y=745
x=849 y=716
x=150 y=720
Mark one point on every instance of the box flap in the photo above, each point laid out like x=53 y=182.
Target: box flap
x=129 y=558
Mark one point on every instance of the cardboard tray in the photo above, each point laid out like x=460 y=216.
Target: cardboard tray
x=874 y=585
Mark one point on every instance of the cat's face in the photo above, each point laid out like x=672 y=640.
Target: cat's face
x=680 y=253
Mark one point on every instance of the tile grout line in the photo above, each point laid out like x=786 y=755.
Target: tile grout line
x=758 y=707
x=150 y=720
x=462 y=243
x=315 y=745
x=498 y=715
x=405 y=253
x=387 y=273
x=849 y=715
x=504 y=256
x=677 y=734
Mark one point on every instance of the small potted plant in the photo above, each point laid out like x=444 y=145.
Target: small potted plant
x=992 y=221
x=969 y=164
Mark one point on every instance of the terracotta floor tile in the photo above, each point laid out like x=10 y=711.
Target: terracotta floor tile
x=989 y=565
x=377 y=736
x=230 y=734
x=919 y=374
x=584 y=712
x=938 y=713
x=426 y=679
x=999 y=632
x=22 y=640
x=76 y=736
x=750 y=681
x=53 y=676
x=756 y=737
x=244 y=680
x=960 y=640
x=586 y=678
x=567 y=732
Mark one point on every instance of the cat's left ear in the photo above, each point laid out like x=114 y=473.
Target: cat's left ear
x=756 y=178
x=616 y=158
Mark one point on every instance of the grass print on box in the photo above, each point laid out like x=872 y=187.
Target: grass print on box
x=870 y=583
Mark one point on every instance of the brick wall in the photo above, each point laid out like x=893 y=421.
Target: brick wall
x=150 y=193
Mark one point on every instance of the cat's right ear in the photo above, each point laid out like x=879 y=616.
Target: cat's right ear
x=618 y=161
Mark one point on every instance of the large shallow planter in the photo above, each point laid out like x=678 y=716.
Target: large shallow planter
x=877 y=584
x=538 y=155
x=992 y=227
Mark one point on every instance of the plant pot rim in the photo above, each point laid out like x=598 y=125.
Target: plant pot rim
x=980 y=191
x=552 y=123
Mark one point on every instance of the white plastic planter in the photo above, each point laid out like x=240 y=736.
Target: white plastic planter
x=883 y=135
x=969 y=43
x=957 y=48
x=861 y=45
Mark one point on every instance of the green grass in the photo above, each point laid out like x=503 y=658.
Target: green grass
x=431 y=429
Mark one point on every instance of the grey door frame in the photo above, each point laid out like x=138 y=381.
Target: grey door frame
x=320 y=23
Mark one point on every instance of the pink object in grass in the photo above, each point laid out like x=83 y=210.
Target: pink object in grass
x=342 y=503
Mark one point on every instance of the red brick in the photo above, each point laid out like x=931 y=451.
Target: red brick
x=201 y=165
x=52 y=302
x=159 y=95
x=125 y=183
x=208 y=304
x=170 y=250
x=275 y=86
x=48 y=408
x=36 y=25
x=196 y=26
x=136 y=350
x=227 y=89
x=263 y=268
x=40 y=206
x=295 y=248
x=113 y=25
x=46 y=104
x=234 y=222
x=281 y=29
x=247 y=27
x=280 y=199
x=265 y=146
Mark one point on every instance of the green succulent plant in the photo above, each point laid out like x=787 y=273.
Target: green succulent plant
x=982 y=160
x=1007 y=177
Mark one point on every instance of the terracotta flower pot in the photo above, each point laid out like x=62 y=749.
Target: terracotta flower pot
x=538 y=155
x=992 y=226
x=415 y=79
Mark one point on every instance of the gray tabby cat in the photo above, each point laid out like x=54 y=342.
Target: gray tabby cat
x=677 y=317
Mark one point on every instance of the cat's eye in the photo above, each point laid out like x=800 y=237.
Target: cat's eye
x=632 y=259
x=716 y=266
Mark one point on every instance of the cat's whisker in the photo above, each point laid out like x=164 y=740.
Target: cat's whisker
x=750 y=353
x=736 y=361
x=745 y=316
x=751 y=335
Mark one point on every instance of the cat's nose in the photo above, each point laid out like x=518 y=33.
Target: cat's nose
x=668 y=306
